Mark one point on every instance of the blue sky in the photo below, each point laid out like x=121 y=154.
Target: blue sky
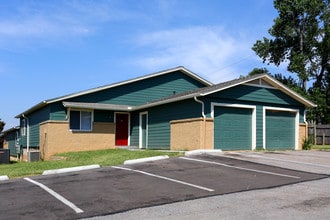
x=53 y=48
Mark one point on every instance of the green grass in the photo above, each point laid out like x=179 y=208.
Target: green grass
x=321 y=147
x=101 y=157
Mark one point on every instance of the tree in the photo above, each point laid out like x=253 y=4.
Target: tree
x=301 y=38
x=2 y=125
x=257 y=71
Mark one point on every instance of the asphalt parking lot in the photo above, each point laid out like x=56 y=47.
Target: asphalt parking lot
x=117 y=189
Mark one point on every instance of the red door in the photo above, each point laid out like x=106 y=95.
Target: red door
x=121 y=129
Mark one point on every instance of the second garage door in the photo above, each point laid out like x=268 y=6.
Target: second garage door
x=280 y=130
x=232 y=128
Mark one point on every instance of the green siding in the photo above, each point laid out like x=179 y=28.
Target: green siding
x=57 y=112
x=257 y=94
x=103 y=116
x=280 y=130
x=259 y=127
x=34 y=120
x=141 y=92
x=159 y=121
x=11 y=139
x=232 y=128
x=134 y=129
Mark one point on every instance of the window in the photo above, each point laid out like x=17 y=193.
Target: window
x=23 y=127
x=80 y=120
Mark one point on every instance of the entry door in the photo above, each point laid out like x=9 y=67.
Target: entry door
x=121 y=129
x=143 y=133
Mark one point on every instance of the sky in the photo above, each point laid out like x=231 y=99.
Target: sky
x=54 y=48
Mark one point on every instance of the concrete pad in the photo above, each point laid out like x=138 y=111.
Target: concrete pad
x=148 y=159
x=71 y=169
x=200 y=152
x=3 y=178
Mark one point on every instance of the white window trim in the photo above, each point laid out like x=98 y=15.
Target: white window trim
x=129 y=126
x=23 y=127
x=265 y=108
x=82 y=110
x=140 y=129
x=254 y=117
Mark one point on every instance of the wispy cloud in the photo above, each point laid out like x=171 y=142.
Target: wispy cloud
x=40 y=22
x=206 y=50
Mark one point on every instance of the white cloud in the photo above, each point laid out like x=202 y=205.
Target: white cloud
x=44 y=23
x=208 y=51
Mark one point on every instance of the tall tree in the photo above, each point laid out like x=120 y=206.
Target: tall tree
x=2 y=125
x=301 y=38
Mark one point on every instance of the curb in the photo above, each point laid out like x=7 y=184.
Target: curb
x=4 y=178
x=143 y=160
x=71 y=169
x=200 y=152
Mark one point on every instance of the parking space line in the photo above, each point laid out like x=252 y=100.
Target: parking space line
x=165 y=178
x=56 y=195
x=289 y=161
x=240 y=168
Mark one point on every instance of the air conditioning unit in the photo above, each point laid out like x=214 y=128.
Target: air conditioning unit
x=33 y=156
x=4 y=156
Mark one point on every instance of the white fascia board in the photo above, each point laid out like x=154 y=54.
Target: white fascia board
x=97 y=106
x=288 y=91
x=180 y=68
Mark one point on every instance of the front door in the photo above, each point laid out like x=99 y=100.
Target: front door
x=121 y=129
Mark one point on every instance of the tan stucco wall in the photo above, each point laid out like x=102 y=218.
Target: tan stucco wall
x=302 y=134
x=192 y=134
x=5 y=144
x=55 y=137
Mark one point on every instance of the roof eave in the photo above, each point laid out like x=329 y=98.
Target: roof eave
x=97 y=106
x=32 y=109
x=180 y=68
x=289 y=91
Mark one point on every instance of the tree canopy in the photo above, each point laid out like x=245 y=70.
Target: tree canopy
x=301 y=39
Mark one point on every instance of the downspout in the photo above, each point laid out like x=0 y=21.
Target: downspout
x=27 y=136
x=306 y=124
x=202 y=103
x=204 y=121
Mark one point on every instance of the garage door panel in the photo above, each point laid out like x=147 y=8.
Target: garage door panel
x=280 y=130
x=233 y=128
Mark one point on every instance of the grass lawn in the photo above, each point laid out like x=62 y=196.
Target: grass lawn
x=321 y=147
x=101 y=157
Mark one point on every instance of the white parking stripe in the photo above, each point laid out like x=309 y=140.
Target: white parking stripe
x=289 y=161
x=56 y=195
x=165 y=178
x=241 y=168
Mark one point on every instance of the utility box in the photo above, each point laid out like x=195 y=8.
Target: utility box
x=33 y=156
x=4 y=156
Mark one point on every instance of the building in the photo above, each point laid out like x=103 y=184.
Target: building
x=173 y=109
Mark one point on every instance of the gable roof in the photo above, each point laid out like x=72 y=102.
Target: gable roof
x=232 y=83
x=97 y=89
x=271 y=82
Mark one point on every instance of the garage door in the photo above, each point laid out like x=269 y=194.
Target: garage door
x=232 y=128
x=280 y=130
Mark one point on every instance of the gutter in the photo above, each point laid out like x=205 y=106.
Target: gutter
x=202 y=103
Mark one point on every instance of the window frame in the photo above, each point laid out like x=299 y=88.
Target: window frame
x=80 y=119
x=23 y=127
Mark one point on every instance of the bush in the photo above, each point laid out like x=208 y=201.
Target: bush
x=307 y=144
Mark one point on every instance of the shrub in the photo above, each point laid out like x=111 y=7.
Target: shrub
x=307 y=144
